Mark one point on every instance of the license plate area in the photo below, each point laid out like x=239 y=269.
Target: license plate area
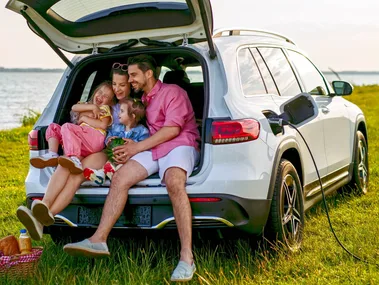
x=132 y=216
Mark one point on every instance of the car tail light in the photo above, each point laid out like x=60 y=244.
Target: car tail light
x=36 y=198
x=226 y=132
x=204 y=199
x=33 y=140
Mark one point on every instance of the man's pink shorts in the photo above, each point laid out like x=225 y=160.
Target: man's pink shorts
x=184 y=157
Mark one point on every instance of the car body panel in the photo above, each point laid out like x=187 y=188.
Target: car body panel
x=242 y=175
x=83 y=33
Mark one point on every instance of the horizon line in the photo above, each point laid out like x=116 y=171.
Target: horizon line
x=62 y=69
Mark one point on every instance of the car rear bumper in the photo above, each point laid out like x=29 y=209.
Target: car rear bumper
x=155 y=212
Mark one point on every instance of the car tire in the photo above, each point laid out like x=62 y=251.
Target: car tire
x=360 y=177
x=286 y=219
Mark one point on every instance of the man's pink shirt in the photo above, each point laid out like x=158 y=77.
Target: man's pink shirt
x=168 y=106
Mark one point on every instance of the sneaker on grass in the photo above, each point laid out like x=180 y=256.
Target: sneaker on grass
x=49 y=159
x=30 y=223
x=94 y=175
x=183 y=272
x=72 y=163
x=87 y=249
x=42 y=213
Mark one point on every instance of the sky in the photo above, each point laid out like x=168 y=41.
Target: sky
x=337 y=34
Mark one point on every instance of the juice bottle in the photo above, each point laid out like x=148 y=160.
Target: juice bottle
x=24 y=242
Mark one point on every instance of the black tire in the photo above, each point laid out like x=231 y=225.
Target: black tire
x=360 y=177
x=286 y=220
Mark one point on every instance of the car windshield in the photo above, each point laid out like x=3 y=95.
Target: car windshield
x=73 y=10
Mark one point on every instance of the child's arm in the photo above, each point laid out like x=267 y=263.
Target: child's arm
x=96 y=123
x=86 y=107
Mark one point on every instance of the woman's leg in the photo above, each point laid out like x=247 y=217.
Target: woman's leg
x=56 y=184
x=64 y=197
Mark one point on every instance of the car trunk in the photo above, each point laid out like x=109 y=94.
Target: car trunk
x=173 y=61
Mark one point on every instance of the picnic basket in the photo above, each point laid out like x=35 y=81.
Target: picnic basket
x=20 y=265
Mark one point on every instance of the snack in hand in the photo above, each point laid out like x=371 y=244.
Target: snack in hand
x=109 y=150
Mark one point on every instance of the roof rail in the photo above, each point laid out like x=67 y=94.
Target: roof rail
x=237 y=31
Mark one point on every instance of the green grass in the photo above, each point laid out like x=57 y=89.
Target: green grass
x=149 y=261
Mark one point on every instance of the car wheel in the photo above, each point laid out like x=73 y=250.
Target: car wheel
x=286 y=219
x=361 y=170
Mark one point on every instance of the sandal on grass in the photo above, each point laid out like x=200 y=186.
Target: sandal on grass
x=183 y=272
x=87 y=249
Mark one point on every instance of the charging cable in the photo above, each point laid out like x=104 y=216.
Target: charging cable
x=281 y=122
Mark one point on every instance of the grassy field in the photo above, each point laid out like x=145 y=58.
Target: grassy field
x=150 y=261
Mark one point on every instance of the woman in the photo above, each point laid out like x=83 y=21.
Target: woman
x=63 y=184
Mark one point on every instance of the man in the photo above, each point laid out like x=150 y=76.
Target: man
x=171 y=149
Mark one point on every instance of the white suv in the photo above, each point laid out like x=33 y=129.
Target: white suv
x=253 y=176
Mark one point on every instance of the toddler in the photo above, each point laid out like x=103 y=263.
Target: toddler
x=132 y=111
x=82 y=138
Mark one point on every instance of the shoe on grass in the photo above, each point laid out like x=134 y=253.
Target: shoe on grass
x=94 y=175
x=87 y=249
x=34 y=228
x=42 y=213
x=183 y=272
x=49 y=159
x=72 y=163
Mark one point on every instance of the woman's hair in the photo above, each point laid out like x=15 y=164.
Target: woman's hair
x=106 y=83
x=135 y=107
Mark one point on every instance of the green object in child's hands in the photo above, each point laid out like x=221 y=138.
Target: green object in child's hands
x=109 y=149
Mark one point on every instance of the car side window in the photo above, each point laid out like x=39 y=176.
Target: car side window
x=281 y=70
x=310 y=77
x=195 y=74
x=87 y=88
x=267 y=78
x=251 y=80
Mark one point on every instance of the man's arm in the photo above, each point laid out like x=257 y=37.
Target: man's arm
x=163 y=135
x=132 y=148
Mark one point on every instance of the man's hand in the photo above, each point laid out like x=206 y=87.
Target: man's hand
x=123 y=153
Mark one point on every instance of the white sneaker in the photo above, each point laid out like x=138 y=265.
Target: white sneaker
x=49 y=159
x=71 y=163
x=94 y=175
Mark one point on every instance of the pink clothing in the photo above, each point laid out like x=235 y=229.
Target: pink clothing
x=168 y=106
x=76 y=140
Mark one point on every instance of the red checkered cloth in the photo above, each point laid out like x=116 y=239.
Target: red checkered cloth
x=7 y=261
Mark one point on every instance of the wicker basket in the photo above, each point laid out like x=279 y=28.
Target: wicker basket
x=20 y=265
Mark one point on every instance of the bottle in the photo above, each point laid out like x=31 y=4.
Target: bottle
x=24 y=242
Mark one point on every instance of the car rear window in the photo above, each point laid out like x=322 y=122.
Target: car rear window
x=73 y=10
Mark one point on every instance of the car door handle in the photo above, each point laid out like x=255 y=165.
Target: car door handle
x=325 y=110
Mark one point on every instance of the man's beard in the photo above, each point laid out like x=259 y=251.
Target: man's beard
x=139 y=87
